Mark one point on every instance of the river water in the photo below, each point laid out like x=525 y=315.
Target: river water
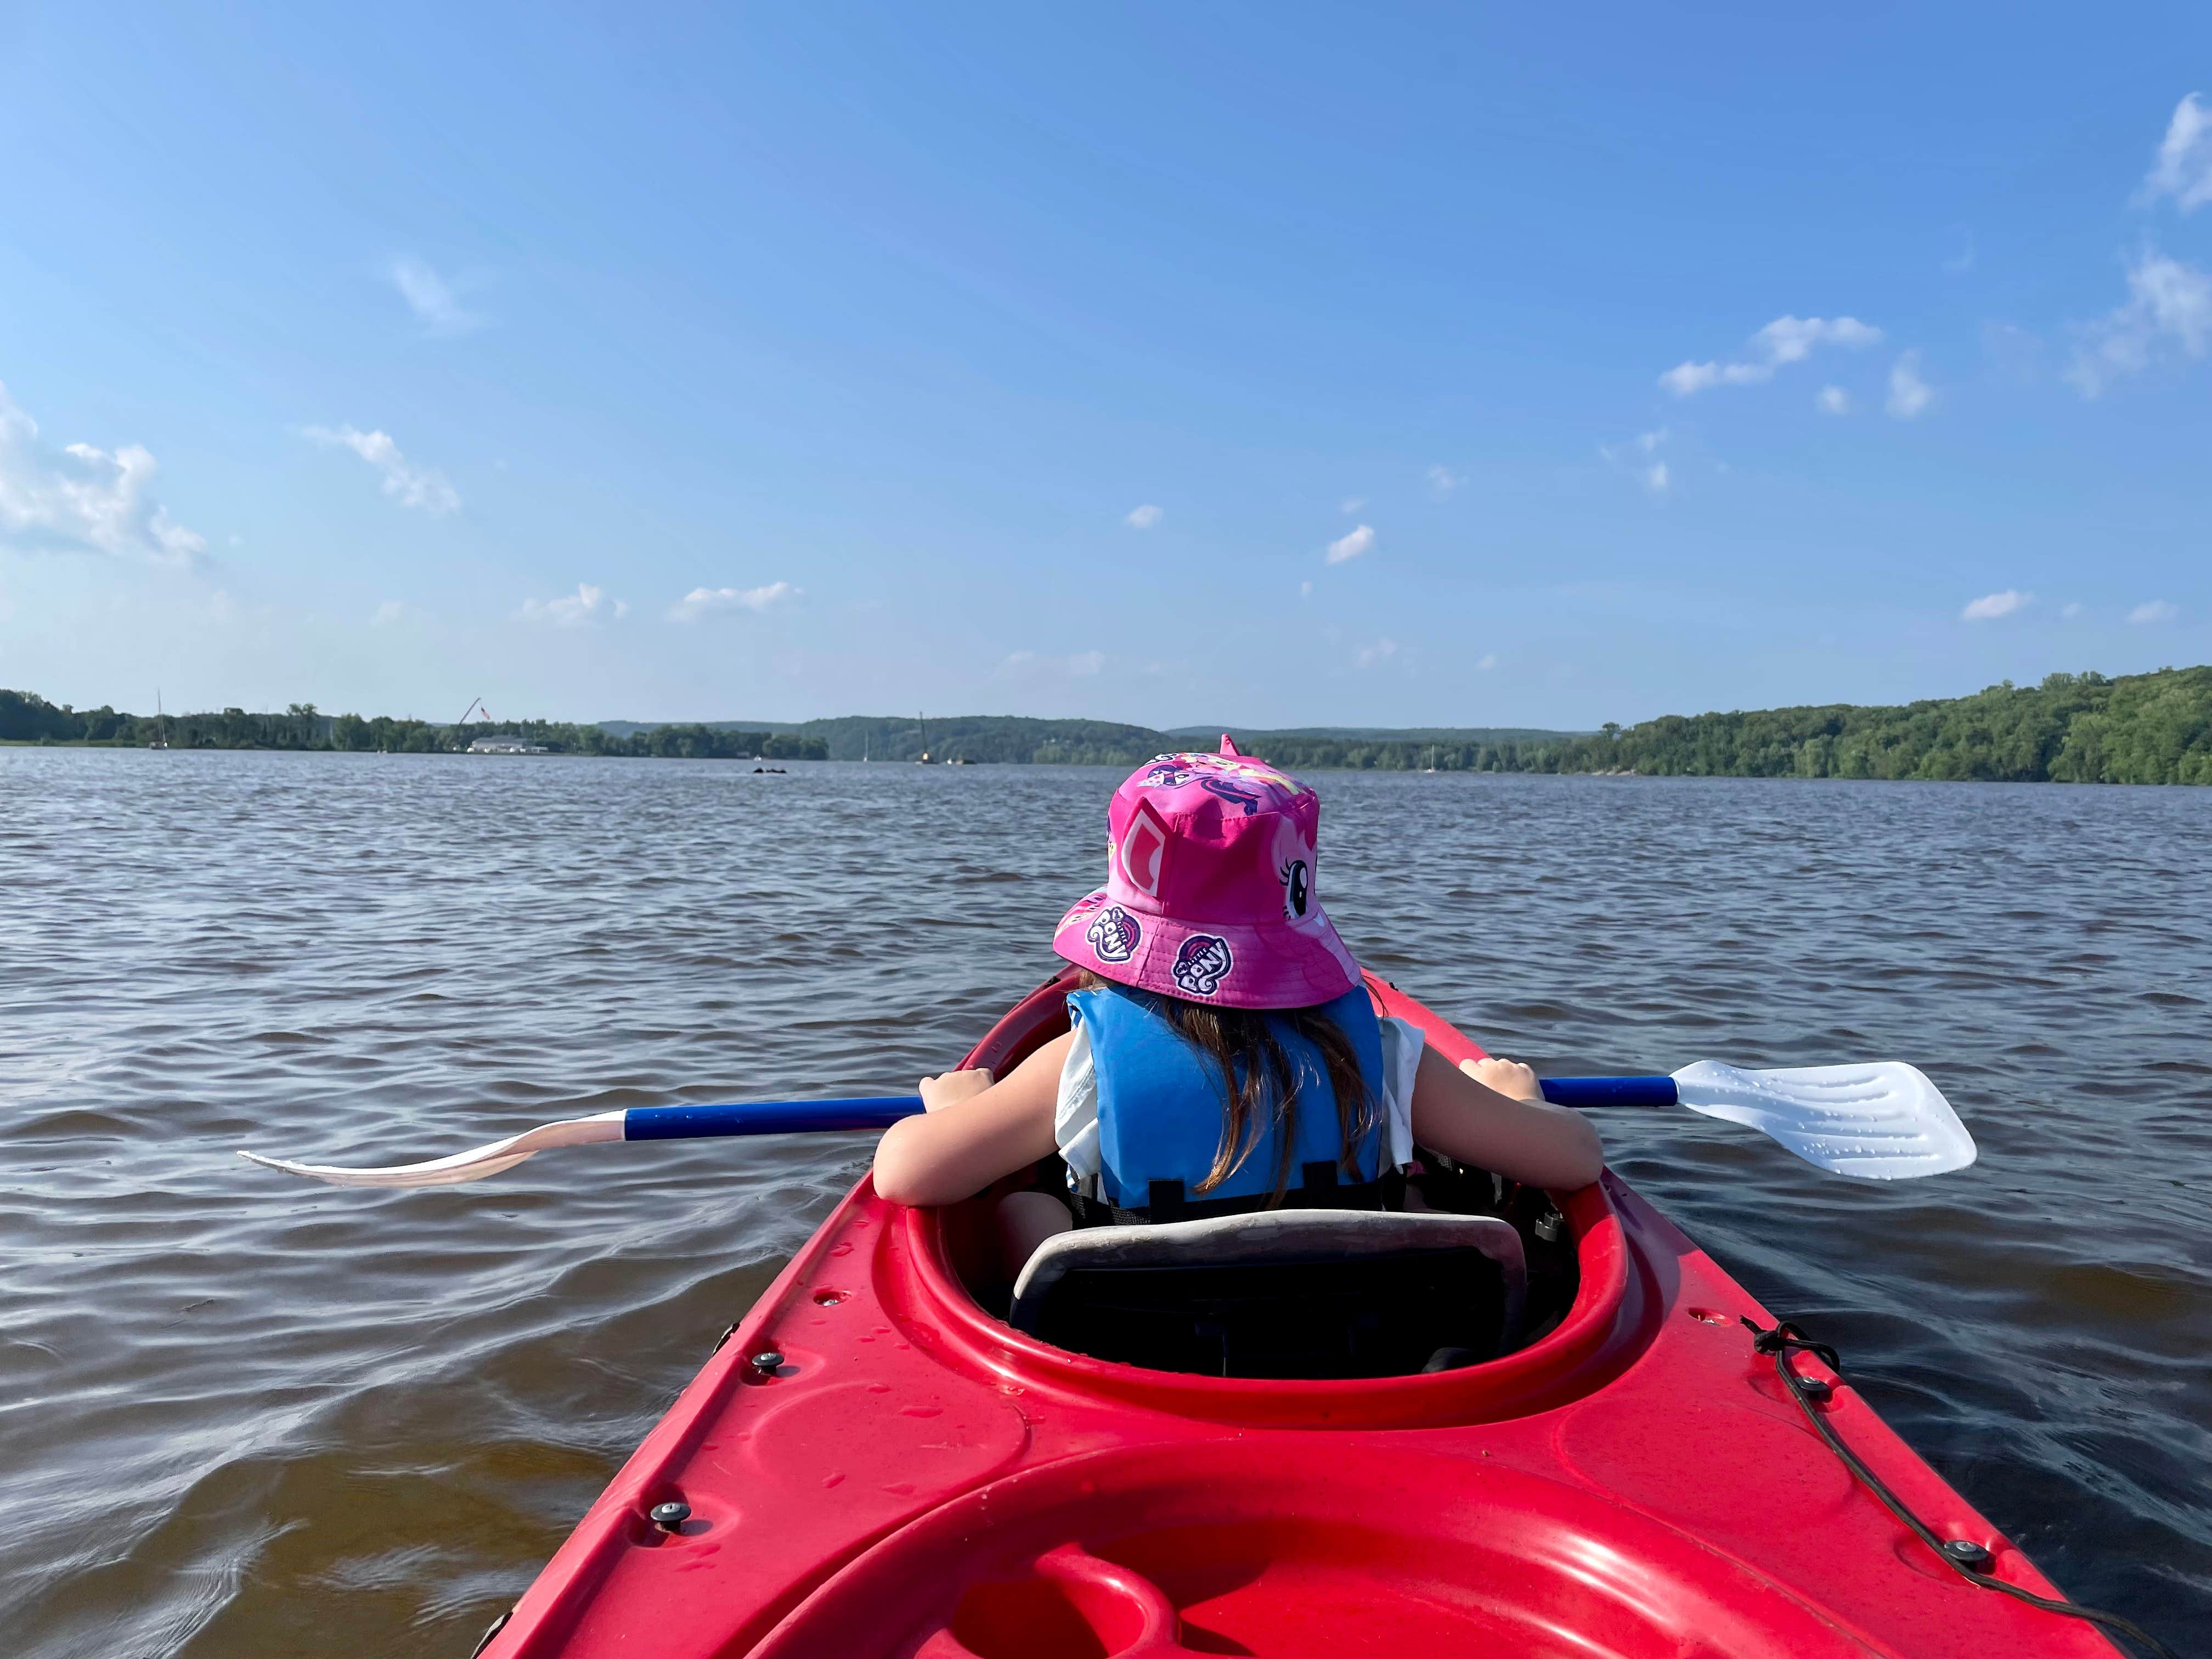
x=240 y=1415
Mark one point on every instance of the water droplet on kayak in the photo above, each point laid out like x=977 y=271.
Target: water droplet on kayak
x=922 y=1410
x=832 y=1479
x=901 y=1488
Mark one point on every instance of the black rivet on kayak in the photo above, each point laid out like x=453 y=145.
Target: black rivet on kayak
x=1968 y=1554
x=671 y=1515
x=1815 y=1387
x=766 y=1363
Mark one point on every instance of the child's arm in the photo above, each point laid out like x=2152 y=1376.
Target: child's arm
x=1493 y=1116
x=974 y=1131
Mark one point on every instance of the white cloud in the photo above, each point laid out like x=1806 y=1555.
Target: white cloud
x=1637 y=458
x=1143 y=517
x=2154 y=611
x=1487 y=660
x=386 y=614
x=1348 y=547
x=1991 y=606
x=1352 y=503
x=1381 y=651
x=406 y=483
x=701 y=601
x=1305 y=590
x=1685 y=378
x=2072 y=609
x=1909 y=395
x=587 y=604
x=1783 y=341
x=2168 y=303
x=2182 y=169
x=432 y=299
x=84 y=499
x=1832 y=400
x=1443 y=480
x=1032 y=665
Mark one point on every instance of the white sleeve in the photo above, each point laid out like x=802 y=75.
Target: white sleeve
x=1402 y=1044
x=1075 y=1112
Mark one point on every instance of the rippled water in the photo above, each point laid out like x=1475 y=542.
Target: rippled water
x=240 y=1414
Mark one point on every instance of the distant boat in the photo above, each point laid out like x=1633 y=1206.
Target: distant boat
x=160 y=723
x=506 y=745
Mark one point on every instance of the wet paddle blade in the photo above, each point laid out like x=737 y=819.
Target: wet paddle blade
x=1882 y=1120
x=459 y=1167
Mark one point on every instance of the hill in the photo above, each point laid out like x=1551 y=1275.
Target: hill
x=2072 y=728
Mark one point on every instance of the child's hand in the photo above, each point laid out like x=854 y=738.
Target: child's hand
x=939 y=1092
x=1509 y=1078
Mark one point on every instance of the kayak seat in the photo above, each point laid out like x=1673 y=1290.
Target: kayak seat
x=1282 y=1293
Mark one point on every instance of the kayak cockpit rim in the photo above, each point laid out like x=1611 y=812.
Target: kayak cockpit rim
x=1617 y=1303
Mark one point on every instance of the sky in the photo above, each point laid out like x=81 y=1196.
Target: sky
x=1272 y=364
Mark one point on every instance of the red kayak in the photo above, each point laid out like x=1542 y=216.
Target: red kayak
x=1597 y=1460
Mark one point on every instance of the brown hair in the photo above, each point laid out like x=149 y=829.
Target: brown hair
x=1256 y=1073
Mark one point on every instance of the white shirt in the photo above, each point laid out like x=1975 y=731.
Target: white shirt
x=1075 y=1111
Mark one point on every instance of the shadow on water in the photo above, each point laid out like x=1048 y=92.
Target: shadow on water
x=240 y=1416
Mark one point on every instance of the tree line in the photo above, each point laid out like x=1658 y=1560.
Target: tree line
x=2071 y=728
x=25 y=717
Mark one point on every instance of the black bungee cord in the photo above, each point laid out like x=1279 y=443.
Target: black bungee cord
x=1960 y=1554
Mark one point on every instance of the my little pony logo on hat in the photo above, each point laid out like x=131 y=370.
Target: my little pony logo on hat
x=1114 y=934
x=1202 y=964
x=1166 y=773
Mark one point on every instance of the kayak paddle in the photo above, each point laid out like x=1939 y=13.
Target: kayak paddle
x=1883 y=1122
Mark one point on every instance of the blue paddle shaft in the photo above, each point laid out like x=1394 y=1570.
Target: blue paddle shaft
x=1590 y=1093
x=798 y=1117
x=767 y=1117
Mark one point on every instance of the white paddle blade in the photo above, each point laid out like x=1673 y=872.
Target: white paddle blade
x=452 y=1171
x=1882 y=1122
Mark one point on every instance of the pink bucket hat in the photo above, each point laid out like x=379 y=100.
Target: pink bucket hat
x=1209 y=892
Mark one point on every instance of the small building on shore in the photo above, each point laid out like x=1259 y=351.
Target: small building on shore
x=507 y=746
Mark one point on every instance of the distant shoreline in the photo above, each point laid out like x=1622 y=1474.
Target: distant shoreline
x=2071 y=728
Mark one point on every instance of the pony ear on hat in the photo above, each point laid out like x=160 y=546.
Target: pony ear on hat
x=1229 y=745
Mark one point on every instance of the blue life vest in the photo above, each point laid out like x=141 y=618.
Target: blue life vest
x=1161 y=1105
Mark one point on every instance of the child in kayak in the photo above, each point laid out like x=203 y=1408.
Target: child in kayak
x=1223 y=1054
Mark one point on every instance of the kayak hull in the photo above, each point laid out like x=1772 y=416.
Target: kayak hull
x=916 y=1480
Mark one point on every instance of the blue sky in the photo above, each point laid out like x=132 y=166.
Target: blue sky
x=1270 y=364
